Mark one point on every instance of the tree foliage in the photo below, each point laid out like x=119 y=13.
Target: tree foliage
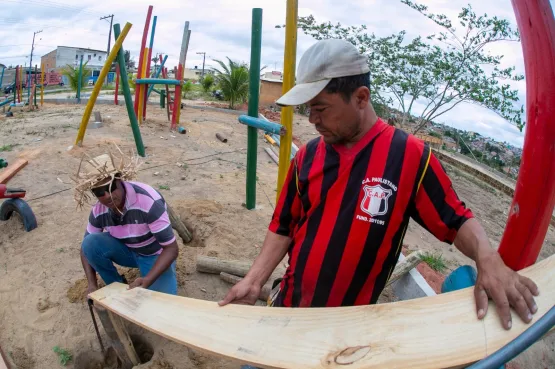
x=233 y=80
x=207 y=82
x=186 y=89
x=72 y=74
x=129 y=63
x=441 y=71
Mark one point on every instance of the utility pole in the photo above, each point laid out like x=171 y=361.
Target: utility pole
x=30 y=65
x=203 y=60
x=111 y=16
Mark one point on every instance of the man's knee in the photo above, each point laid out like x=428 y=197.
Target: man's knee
x=91 y=243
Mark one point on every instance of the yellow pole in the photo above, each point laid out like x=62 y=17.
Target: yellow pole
x=98 y=86
x=289 y=62
x=141 y=86
x=41 y=84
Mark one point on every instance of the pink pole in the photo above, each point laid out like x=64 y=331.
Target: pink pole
x=117 y=86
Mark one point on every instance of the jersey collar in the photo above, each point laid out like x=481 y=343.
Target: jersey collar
x=376 y=129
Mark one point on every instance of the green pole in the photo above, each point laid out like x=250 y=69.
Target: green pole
x=162 y=99
x=36 y=96
x=80 y=81
x=254 y=89
x=127 y=95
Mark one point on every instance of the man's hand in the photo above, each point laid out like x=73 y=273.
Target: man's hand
x=90 y=289
x=140 y=282
x=245 y=292
x=506 y=288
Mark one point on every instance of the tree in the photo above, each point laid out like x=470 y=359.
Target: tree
x=129 y=63
x=233 y=80
x=441 y=71
x=72 y=74
x=186 y=88
x=207 y=82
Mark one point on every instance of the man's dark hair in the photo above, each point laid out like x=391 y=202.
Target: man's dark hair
x=347 y=85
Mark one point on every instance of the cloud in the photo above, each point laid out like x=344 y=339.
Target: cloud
x=221 y=28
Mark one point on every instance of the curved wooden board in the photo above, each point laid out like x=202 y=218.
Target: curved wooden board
x=433 y=332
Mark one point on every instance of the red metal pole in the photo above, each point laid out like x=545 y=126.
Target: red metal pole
x=117 y=85
x=18 y=83
x=534 y=199
x=143 y=45
x=176 y=98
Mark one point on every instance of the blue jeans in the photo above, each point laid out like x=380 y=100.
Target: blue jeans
x=102 y=250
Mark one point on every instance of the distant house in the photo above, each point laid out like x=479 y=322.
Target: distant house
x=64 y=55
x=271 y=84
x=195 y=74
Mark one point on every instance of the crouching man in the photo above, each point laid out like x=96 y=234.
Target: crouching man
x=129 y=225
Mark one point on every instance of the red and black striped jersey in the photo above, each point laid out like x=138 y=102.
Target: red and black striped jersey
x=347 y=210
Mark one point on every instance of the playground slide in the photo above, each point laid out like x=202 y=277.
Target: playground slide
x=433 y=332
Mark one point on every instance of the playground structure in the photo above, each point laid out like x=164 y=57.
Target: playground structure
x=145 y=82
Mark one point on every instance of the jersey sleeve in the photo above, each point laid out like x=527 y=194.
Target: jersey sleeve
x=288 y=210
x=159 y=223
x=93 y=225
x=437 y=207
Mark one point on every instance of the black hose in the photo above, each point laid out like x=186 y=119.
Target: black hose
x=519 y=344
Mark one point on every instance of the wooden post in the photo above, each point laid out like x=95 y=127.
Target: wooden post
x=405 y=266
x=113 y=326
x=178 y=225
x=207 y=264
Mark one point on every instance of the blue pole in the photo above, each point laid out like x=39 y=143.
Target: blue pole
x=157 y=74
x=158 y=81
x=262 y=124
x=80 y=81
x=2 y=76
x=152 y=33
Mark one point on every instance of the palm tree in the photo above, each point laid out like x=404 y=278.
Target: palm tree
x=72 y=74
x=233 y=80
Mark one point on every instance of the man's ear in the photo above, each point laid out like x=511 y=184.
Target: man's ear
x=362 y=97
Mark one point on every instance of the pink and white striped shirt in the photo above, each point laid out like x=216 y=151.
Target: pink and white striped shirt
x=144 y=226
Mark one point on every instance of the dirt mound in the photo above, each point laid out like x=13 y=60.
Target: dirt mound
x=78 y=291
x=95 y=360
x=46 y=304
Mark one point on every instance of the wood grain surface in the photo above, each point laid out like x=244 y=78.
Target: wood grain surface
x=434 y=332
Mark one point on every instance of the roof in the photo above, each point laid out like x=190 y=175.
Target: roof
x=83 y=48
x=271 y=80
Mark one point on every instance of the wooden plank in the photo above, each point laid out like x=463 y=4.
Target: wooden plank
x=433 y=332
x=105 y=318
x=11 y=170
x=124 y=338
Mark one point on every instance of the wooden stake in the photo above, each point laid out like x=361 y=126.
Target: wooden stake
x=124 y=338
x=405 y=266
x=178 y=225
x=3 y=360
x=109 y=328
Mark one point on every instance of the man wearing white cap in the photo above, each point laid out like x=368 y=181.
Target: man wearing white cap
x=348 y=197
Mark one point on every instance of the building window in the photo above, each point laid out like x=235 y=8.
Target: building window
x=76 y=56
x=99 y=58
x=94 y=55
x=89 y=57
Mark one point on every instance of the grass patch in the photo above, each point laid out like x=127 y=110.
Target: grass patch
x=64 y=355
x=6 y=148
x=436 y=261
x=164 y=187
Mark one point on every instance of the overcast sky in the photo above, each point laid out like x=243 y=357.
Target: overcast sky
x=222 y=28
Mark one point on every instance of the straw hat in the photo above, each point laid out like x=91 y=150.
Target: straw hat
x=93 y=172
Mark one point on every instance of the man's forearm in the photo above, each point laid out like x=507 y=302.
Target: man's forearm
x=165 y=259
x=273 y=250
x=90 y=273
x=472 y=241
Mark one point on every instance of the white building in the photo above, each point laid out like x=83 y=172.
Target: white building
x=64 y=55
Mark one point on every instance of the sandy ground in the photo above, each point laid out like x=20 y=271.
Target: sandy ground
x=42 y=294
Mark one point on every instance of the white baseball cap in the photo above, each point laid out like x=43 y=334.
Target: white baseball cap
x=323 y=61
